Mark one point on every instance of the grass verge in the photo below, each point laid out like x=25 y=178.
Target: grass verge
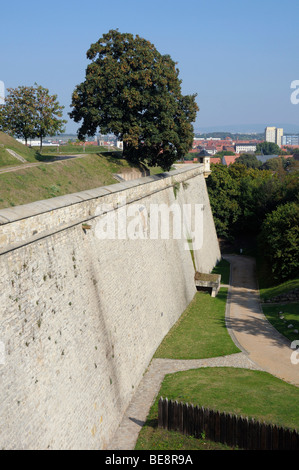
x=283 y=315
x=223 y=268
x=255 y=394
x=201 y=331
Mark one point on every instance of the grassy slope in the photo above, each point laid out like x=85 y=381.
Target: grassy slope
x=6 y=159
x=284 y=287
x=9 y=142
x=47 y=180
x=50 y=180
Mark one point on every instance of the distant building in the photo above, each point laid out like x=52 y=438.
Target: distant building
x=290 y=140
x=229 y=159
x=274 y=135
x=245 y=148
x=279 y=135
x=270 y=134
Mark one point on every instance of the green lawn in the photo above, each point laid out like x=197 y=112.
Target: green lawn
x=223 y=268
x=290 y=314
x=254 y=394
x=201 y=331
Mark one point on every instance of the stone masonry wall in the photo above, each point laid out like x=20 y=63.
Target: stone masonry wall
x=80 y=316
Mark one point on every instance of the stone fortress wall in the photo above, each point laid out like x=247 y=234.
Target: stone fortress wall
x=82 y=316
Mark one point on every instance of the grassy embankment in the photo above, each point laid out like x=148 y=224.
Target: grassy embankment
x=201 y=333
x=283 y=314
x=48 y=179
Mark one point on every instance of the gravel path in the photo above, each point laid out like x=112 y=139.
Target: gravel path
x=135 y=415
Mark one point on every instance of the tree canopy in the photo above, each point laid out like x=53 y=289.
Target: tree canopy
x=268 y=148
x=134 y=92
x=280 y=240
x=30 y=112
x=17 y=114
x=249 y=160
x=260 y=204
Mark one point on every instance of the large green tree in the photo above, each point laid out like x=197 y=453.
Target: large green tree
x=134 y=92
x=268 y=148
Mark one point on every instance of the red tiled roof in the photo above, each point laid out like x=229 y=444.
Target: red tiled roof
x=215 y=160
x=228 y=159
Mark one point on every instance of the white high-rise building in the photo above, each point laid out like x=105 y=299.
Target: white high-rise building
x=279 y=135
x=270 y=134
x=273 y=134
x=2 y=93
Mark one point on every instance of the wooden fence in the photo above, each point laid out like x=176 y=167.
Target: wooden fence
x=235 y=431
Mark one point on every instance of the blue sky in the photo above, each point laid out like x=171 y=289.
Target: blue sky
x=239 y=56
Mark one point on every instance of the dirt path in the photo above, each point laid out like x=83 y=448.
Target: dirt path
x=28 y=165
x=249 y=327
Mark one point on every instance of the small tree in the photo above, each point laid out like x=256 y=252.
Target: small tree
x=48 y=114
x=18 y=112
x=134 y=92
x=31 y=112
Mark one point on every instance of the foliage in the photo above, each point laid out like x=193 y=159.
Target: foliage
x=268 y=148
x=241 y=197
x=223 y=190
x=245 y=199
x=31 y=112
x=48 y=114
x=223 y=153
x=17 y=114
x=134 y=92
x=249 y=160
x=280 y=239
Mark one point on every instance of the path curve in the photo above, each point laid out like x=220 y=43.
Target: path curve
x=249 y=327
x=263 y=348
x=135 y=416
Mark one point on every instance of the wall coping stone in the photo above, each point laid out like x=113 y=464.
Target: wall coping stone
x=13 y=214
